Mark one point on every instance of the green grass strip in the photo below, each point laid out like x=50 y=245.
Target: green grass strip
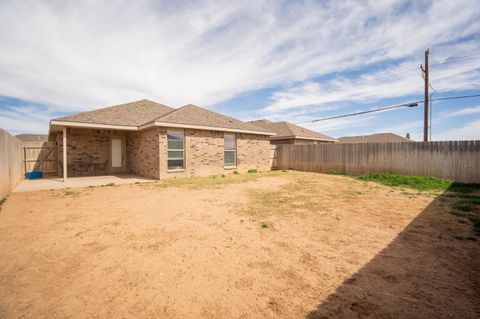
x=410 y=181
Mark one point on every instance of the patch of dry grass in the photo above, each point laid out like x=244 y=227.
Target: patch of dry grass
x=215 y=181
x=71 y=193
x=320 y=241
x=307 y=194
x=297 y=197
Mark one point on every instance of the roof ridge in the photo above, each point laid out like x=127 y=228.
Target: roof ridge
x=289 y=127
x=231 y=118
x=290 y=124
x=301 y=127
x=285 y=128
x=112 y=106
x=201 y=116
x=143 y=113
x=304 y=129
x=202 y=108
x=168 y=113
x=260 y=121
x=135 y=113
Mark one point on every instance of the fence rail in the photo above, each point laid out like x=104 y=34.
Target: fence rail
x=457 y=160
x=11 y=160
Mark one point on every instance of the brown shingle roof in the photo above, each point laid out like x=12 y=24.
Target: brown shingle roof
x=136 y=114
x=289 y=130
x=194 y=115
x=129 y=114
x=374 y=138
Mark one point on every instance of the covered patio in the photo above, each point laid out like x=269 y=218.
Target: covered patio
x=90 y=151
x=78 y=182
x=120 y=139
x=85 y=151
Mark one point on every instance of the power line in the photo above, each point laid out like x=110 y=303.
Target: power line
x=447 y=61
x=391 y=72
x=456 y=97
x=426 y=101
x=410 y=104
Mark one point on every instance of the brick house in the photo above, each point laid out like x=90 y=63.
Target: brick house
x=288 y=133
x=156 y=141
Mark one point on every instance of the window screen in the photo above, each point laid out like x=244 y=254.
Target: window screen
x=175 y=149
x=230 y=150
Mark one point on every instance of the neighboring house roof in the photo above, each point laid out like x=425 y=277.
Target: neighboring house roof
x=286 y=130
x=374 y=138
x=32 y=137
x=128 y=114
x=144 y=113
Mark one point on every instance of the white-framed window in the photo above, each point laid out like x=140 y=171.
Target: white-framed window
x=230 y=150
x=176 y=150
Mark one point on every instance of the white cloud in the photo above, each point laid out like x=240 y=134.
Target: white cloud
x=469 y=131
x=84 y=54
x=28 y=118
x=373 y=87
x=462 y=112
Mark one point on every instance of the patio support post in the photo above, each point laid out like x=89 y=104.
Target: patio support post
x=64 y=145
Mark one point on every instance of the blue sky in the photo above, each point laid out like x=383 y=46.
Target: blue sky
x=282 y=60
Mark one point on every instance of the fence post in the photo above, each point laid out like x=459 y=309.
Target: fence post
x=25 y=159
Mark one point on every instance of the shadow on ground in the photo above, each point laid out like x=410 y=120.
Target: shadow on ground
x=431 y=270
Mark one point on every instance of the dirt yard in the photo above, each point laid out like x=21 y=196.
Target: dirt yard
x=287 y=245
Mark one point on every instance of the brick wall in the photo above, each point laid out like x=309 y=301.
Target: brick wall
x=253 y=151
x=143 y=153
x=85 y=146
x=204 y=153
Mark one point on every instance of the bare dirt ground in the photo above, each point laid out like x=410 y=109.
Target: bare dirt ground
x=291 y=245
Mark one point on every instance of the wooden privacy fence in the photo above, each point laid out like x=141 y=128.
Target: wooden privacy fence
x=11 y=158
x=273 y=156
x=17 y=157
x=40 y=156
x=456 y=160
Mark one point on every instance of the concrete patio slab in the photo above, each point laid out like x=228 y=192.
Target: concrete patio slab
x=78 y=182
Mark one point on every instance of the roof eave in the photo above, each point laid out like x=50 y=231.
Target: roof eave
x=92 y=125
x=54 y=123
x=210 y=128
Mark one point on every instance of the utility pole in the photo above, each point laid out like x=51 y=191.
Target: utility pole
x=424 y=69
